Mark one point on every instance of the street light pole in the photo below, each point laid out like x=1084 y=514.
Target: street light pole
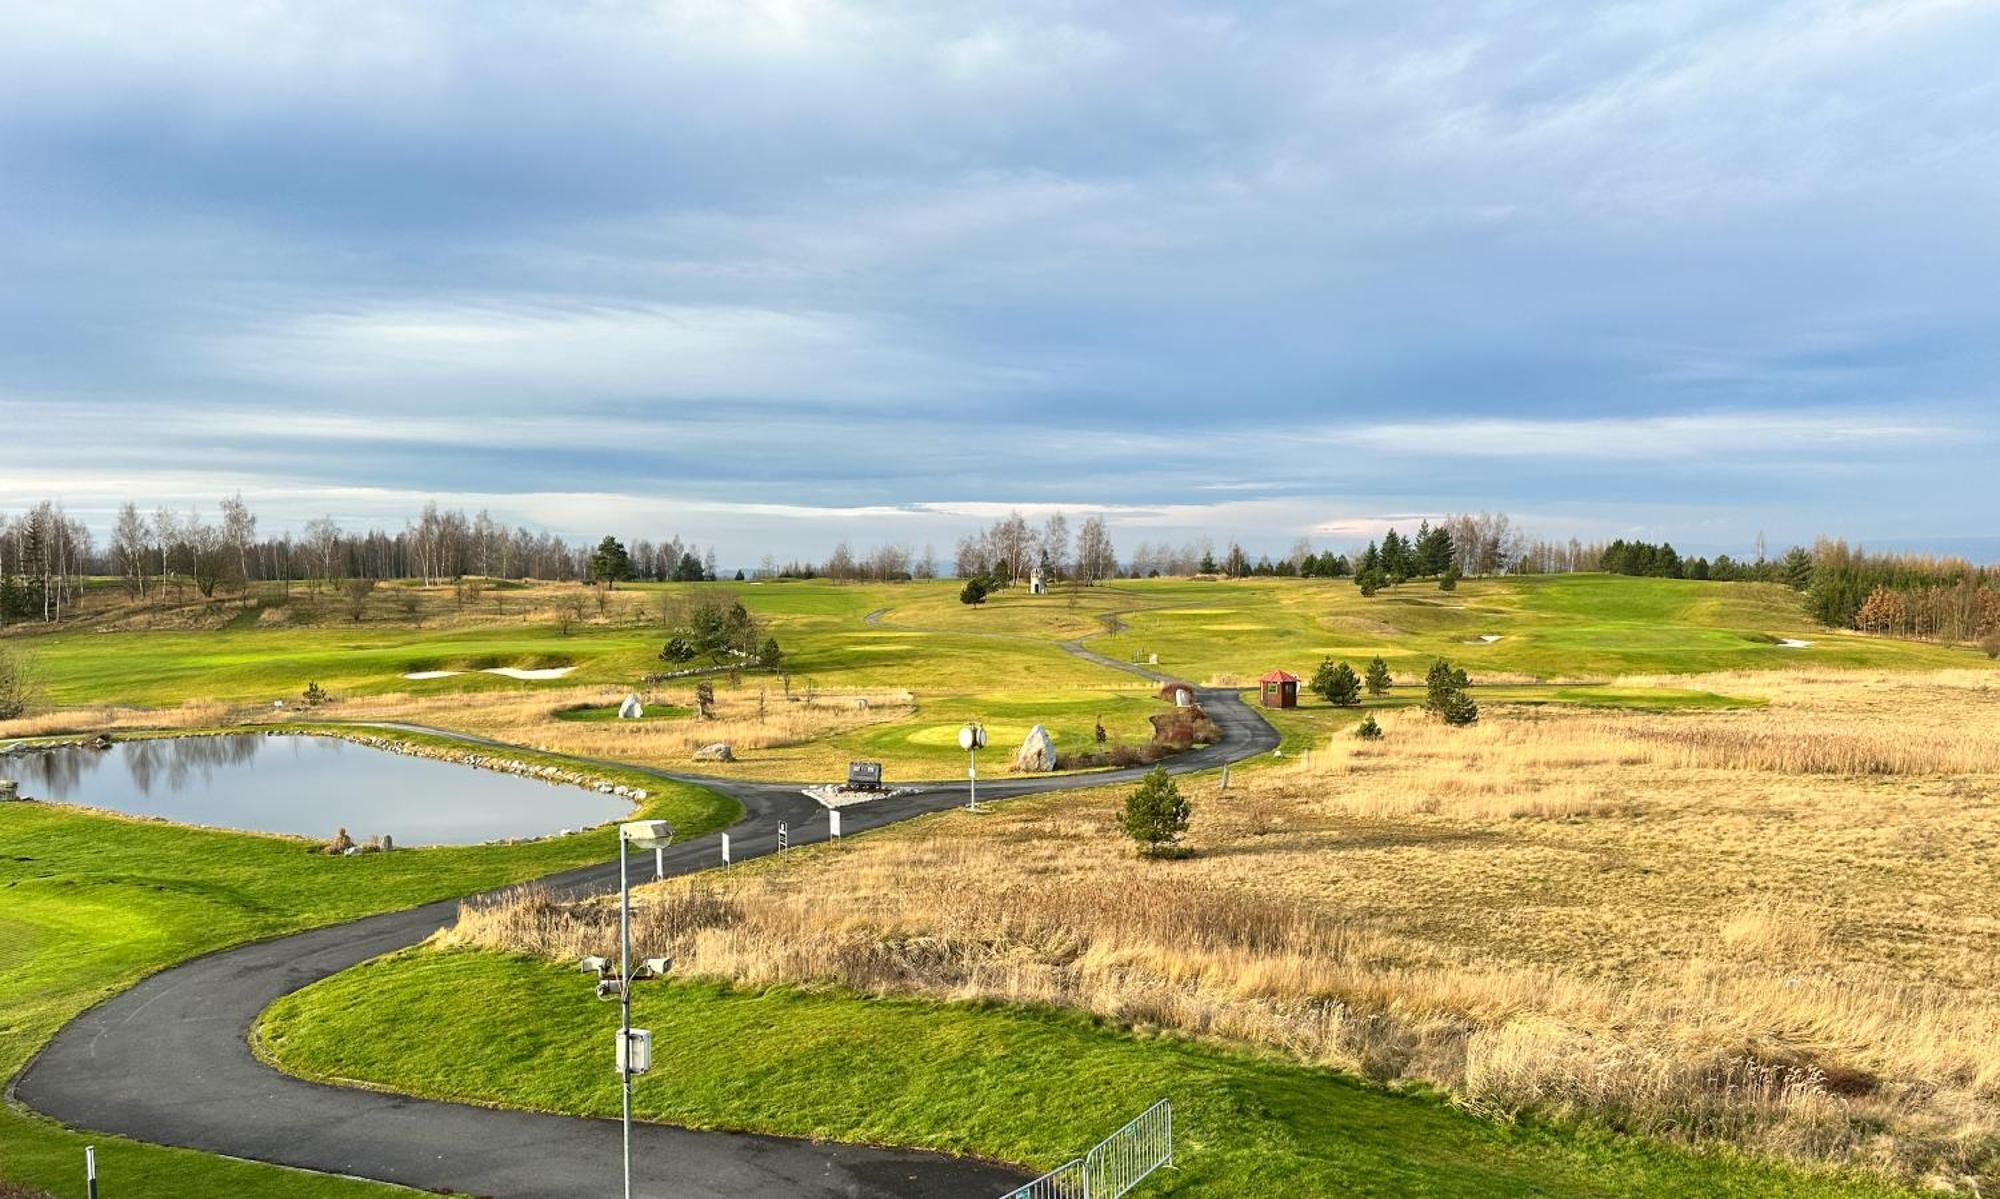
x=625 y=1001
x=633 y=1059
x=970 y=738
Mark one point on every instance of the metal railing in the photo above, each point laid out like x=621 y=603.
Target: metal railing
x=1119 y=1163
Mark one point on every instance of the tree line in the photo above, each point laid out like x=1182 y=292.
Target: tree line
x=46 y=555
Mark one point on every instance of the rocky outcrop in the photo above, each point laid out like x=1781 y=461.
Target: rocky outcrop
x=1037 y=754
x=721 y=751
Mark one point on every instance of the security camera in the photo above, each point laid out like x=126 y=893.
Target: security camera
x=595 y=965
x=610 y=989
x=653 y=968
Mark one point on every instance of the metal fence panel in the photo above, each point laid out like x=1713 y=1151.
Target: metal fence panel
x=1119 y=1163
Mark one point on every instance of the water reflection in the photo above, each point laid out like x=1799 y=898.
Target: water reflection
x=308 y=786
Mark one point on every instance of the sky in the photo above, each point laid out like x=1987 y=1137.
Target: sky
x=774 y=273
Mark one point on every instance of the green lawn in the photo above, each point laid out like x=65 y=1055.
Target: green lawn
x=91 y=903
x=1025 y=1085
x=1557 y=627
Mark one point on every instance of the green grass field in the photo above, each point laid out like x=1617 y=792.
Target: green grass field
x=1573 y=627
x=92 y=903
x=1024 y=1085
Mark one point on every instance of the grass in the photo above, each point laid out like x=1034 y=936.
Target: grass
x=93 y=902
x=1768 y=927
x=1558 y=627
x=1019 y=1084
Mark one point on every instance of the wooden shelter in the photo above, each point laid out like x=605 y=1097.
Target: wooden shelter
x=1281 y=689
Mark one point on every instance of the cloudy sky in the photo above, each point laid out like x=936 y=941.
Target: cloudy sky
x=774 y=273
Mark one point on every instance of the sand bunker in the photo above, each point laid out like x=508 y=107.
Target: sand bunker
x=512 y=672
x=1793 y=643
x=1485 y=638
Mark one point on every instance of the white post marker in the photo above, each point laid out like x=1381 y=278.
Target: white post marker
x=784 y=837
x=90 y=1170
x=659 y=864
x=725 y=849
x=1225 y=776
x=970 y=739
x=833 y=823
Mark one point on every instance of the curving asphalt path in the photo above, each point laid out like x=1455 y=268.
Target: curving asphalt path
x=169 y=1060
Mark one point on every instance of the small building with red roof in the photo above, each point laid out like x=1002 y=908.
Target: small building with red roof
x=1281 y=689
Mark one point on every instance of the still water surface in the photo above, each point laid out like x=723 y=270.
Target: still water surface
x=309 y=786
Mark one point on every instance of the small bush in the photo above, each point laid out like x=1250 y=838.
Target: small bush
x=1991 y=643
x=1156 y=814
x=1368 y=730
x=974 y=592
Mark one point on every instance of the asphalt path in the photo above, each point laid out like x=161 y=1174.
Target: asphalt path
x=169 y=1060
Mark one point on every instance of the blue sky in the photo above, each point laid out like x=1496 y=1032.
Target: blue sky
x=778 y=273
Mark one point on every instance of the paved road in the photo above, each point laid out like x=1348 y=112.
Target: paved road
x=169 y=1062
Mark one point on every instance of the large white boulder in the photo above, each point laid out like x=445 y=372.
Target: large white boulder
x=631 y=709
x=1038 y=753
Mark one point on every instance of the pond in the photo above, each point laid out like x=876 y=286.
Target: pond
x=309 y=786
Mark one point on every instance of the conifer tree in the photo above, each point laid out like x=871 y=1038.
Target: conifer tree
x=1378 y=677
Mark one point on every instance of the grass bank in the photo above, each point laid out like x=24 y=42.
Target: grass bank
x=1028 y=1085
x=90 y=903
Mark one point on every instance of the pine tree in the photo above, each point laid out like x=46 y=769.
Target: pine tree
x=1395 y=556
x=1156 y=814
x=1368 y=729
x=1337 y=685
x=1448 y=581
x=1440 y=684
x=1378 y=677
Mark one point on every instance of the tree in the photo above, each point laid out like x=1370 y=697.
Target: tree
x=769 y=655
x=677 y=650
x=1445 y=694
x=1095 y=559
x=1370 y=581
x=354 y=595
x=1448 y=581
x=1459 y=709
x=1796 y=568
x=1368 y=729
x=1156 y=814
x=1236 y=565
x=610 y=564
x=974 y=591
x=1378 y=677
x=17 y=684
x=129 y=551
x=704 y=700
x=1337 y=685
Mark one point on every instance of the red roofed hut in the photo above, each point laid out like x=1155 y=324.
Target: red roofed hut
x=1281 y=689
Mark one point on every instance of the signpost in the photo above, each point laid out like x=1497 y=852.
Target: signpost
x=725 y=849
x=971 y=739
x=90 y=1170
x=833 y=823
x=784 y=837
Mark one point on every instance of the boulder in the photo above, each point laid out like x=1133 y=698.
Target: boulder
x=721 y=751
x=341 y=844
x=9 y=790
x=1038 y=753
x=631 y=709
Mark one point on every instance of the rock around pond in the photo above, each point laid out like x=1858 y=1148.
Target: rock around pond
x=308 y=786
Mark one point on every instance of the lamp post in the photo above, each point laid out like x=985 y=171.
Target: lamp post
x=635 y=1046
x=970 y=739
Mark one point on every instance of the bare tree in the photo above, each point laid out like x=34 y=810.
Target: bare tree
x=129 y=549
x=239 y=529
x=1055 y=543
x=1095 y=559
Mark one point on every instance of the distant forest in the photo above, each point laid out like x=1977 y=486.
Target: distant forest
x=46 y=555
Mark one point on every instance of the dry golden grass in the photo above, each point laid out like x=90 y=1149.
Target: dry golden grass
x=1776 y=927
x=193 y=714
